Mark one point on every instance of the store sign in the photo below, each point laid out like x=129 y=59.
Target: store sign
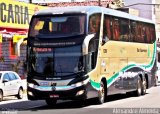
x=16 y=14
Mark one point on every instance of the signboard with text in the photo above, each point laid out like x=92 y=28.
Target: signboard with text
x=16 y=14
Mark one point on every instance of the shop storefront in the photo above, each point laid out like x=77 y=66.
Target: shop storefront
x=14 y=23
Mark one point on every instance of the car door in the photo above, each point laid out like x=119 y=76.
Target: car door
x=6 y=85
x=14 y=83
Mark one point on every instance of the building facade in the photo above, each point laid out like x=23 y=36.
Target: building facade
x=14 y=22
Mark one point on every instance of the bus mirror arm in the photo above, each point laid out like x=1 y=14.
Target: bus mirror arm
x=86 y=43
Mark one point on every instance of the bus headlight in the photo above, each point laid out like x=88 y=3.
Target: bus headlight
x=30 y=93
x=80 y=83
x=80 y=92
x=31 y=85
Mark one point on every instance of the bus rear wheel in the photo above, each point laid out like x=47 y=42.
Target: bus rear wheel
x=101 y=93
x=138 y=91
x=51 y=102
x=144 y=86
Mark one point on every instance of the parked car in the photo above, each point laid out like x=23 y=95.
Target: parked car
x=10 y=85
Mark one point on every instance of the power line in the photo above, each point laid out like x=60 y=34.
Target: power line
x=140 y=4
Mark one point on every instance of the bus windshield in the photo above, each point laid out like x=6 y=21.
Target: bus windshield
x=57 y=26
x=56 y=61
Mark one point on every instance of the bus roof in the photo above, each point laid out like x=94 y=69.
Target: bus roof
x=90 y=10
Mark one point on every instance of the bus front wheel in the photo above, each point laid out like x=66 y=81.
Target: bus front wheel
x=51 y=102
x=101 y=93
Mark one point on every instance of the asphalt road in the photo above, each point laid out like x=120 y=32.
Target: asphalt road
x=116 y=104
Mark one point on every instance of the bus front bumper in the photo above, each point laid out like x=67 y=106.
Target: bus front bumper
x=66 y=92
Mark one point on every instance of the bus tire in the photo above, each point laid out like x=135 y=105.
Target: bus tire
x=101 y=93
x=144 y=86
x=51 y=102
x=138 y=91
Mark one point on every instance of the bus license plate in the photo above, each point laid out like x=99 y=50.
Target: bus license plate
x=54 y=96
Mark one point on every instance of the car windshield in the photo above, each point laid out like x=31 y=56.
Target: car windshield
x=56 y=61
x=57 y=26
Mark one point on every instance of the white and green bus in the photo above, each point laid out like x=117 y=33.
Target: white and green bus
x=83 y=52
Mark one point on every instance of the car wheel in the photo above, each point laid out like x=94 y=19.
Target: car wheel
x=138 y=91
x=20 y=93
x=1 y=95
x=101 y=93
x=51 y=102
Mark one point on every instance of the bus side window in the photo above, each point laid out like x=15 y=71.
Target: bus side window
x=124 y=28
x=140 y=33
x=147 y=34
x=133 y=32
x=152 y=34
x=106 y=29
x=144 y=34
x=92 y=54
x=94 y=23
x=116 y=29
x=94 y=28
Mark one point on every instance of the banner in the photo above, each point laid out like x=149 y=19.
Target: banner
x=16 y=15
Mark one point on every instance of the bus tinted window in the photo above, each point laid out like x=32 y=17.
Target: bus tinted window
x=133 y=31
x=142 y=32
x=94 y=23
x=116 y=29
x=148 y=35
x=106 y=28
x=57 y=26
x=152 y=33
x=124 y=30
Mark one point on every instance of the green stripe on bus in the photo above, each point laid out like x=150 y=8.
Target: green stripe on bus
x=94 y=84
